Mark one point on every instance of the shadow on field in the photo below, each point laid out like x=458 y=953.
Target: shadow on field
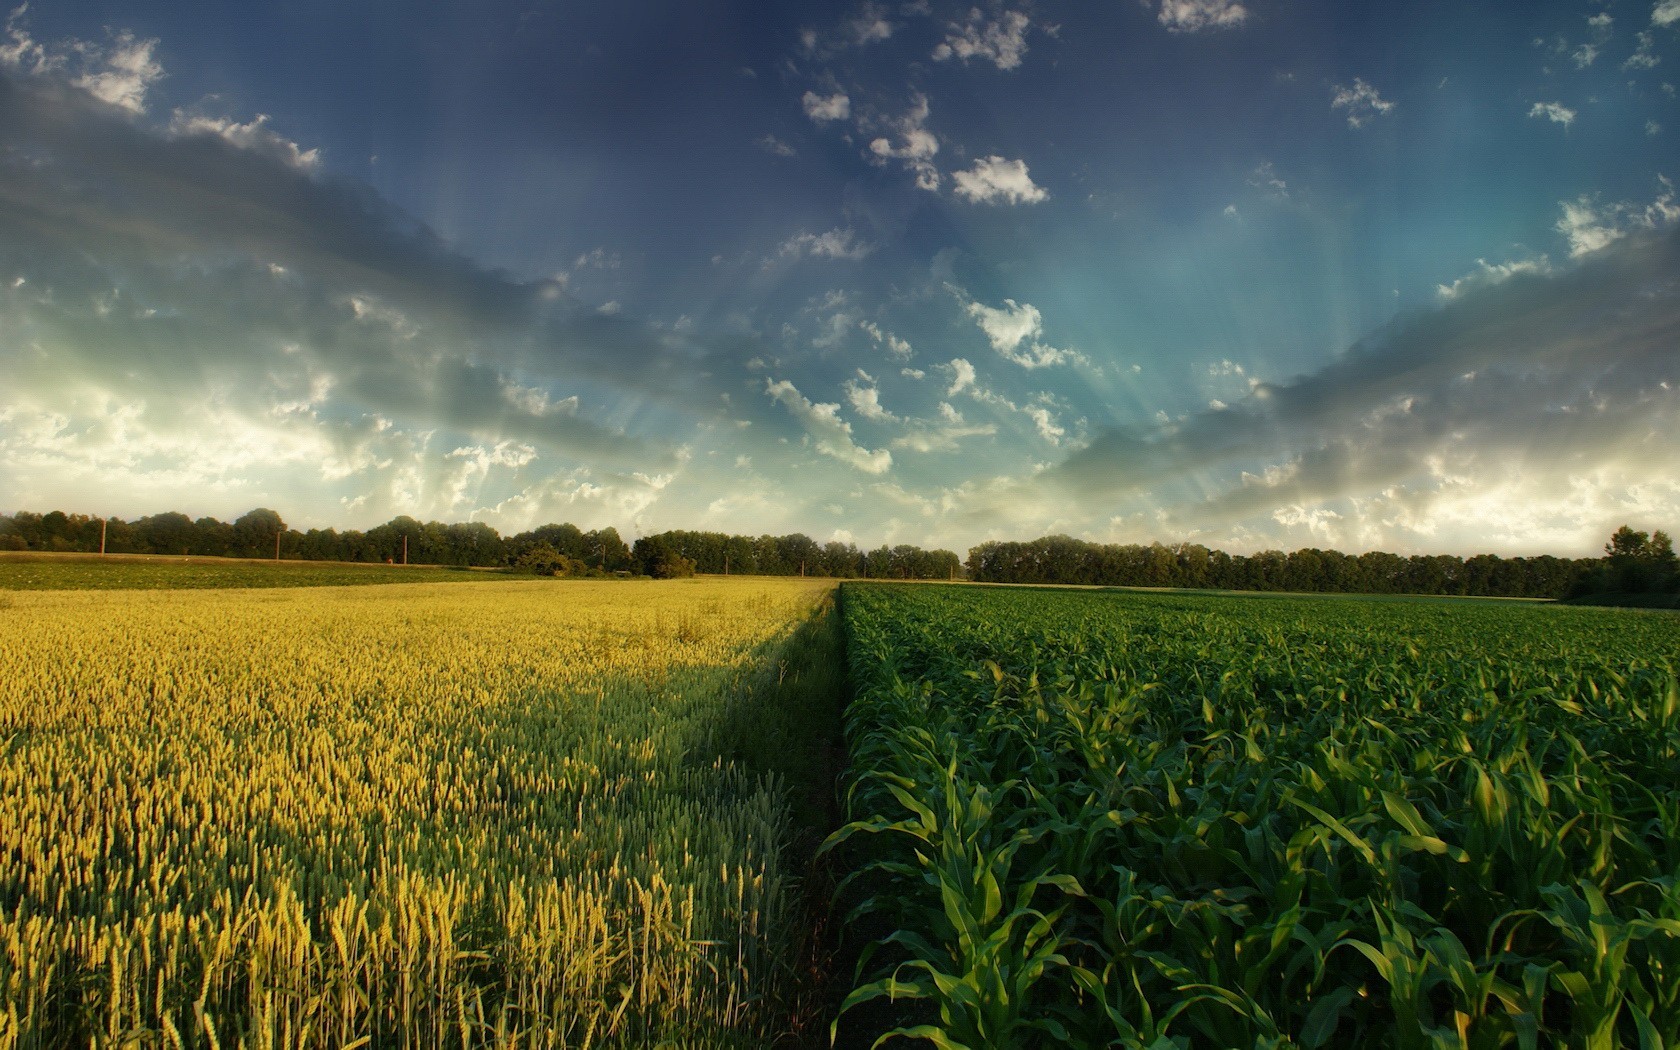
x=789 y=725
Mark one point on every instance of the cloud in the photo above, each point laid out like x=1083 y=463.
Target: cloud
x=915 y=146
x=824 y=108
x=866 y=401
x=835 y=244
x=1547 y=377
x=772 y=144
x=1012 y=324
x=1556 y=112
x=962 y=376
x=206 y=264
x=1190 y=16
x=870 y=25
x=1486 y=274
x=831 y=434
x=899 y=348
x=1265 y=178
x=1644 y=56
x=993 y=180
x=1665 y=13
x=1591 y=226
x=122 y=72
x=1362 y=102
x=253 y=135
x=944 y=434
x=1001 y=41
x=118 y=72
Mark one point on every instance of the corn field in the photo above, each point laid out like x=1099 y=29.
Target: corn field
x=418 y=816
x=1194 y=821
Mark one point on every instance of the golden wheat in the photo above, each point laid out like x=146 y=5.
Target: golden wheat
x=431 y=815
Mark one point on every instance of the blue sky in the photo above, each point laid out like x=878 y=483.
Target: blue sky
x=1253 y=274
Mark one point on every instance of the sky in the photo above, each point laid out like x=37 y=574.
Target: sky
x=1248 y=273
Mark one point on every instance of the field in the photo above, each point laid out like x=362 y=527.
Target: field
x=1156 y=820
x=63 y=572
x=516 y=813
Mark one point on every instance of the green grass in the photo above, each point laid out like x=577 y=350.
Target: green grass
x=45 y=572
x=1136 y=819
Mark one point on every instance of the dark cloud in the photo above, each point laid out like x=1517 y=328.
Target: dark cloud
x=171 y=265
x=1554 y=373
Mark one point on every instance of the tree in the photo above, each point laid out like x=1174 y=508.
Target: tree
x=254 y=533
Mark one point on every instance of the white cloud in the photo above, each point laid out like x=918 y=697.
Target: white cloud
x=1584 y=55
x=962 y=376
x=870 y=25
x=118 y=73
x=899 y=348
x=835 y=244
x=943 y=434
x=1666 y=13
x=1001 y=41
x=1362 y=102
x=823 y=108
x=253 y=135
x=123 y=72
x=1265 y=178
x=1494 y=273
x=831 y=435
x=23 y=53
x=916 y=146
x=866 y=401
x=772 y=144
x=993 y=179
x=912 y=373
x=1644 y=57
x=1591 y=226
x=1045 y=423
x=1189 y=16
x=1556 y=112
x=1014 y=324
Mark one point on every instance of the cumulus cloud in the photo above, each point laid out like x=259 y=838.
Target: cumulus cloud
x=962 y=376
x=117 y=72
x=1544 y=377
x=1487 y=273
x=994 y=180
x=1015 y=331
x=772 y=144
x=254 y=134
x=1556 y=112
x=1644 y=56
x=899 y=348
x=1362 y=102
x=1190 y=16
x=831 y=435
x=912 y=144
x=1001 y=41
x=824 y=108
x=1591 y=226
x=865 y=399
x=1665 y=13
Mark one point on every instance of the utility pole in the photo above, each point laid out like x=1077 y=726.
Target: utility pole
x=726 y=563
x=276 y=544
x=102 y=537
x=405 y=548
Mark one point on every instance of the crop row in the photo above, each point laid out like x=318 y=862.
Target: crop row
x=1152 y=820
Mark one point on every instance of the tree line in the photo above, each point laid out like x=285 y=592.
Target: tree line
x=559 y=549
x=1633 y=563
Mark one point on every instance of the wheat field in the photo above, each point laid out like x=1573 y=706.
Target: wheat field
x=417 y=816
